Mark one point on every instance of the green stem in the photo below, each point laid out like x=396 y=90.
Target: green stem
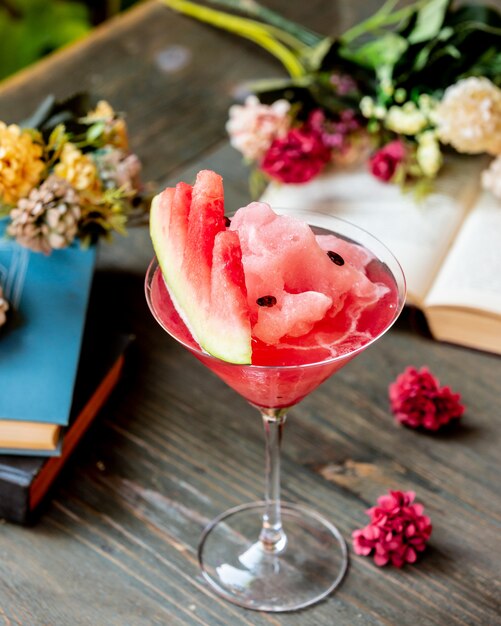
x=381 y=18
x=250 y=29
x=475 y=26
x=256 y=10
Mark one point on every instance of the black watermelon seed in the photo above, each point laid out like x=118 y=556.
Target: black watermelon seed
x=227 y=221
x=335 y=257
x=266 y=301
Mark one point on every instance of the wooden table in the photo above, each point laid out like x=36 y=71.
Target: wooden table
x=175 y=447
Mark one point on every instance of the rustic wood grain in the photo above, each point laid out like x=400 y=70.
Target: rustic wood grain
x=117 y=544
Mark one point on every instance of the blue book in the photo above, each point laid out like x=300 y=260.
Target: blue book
x=40 y=344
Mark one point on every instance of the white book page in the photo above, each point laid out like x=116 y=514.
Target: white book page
x=418 y=233
x=471 y=274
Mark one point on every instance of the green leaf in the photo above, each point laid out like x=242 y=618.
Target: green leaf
x=41 y=113
x=445 y=33
x=384 y=17
x=95 y=131
x=51 y=113
x=57 y=138
x=429 y=20
x=432 y=52
x=383 y=51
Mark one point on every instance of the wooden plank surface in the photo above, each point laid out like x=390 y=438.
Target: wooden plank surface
x=117 y=544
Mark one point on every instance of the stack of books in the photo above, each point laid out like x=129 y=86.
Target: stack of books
x=53 y=378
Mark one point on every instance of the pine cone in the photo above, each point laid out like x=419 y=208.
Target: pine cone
x=48 y=218
x=4 y=307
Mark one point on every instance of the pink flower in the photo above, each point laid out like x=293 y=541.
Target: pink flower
x=343 y=84
x=398 y=530
x=417 y=400
x=336 y=133
x=385 y=161
x=298 y=157
x=253 y=126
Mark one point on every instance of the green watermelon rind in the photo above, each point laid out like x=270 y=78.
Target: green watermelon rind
x=227 y=344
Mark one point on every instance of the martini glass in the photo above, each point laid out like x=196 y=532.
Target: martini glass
x=271 y=555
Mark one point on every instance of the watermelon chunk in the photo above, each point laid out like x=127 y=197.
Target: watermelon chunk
x=202 y=266
x=283 y=259
x=294 y=315
x=228 y=298
x=358 y=256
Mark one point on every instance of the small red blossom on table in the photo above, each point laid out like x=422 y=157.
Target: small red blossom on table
x=398 y=530
x=418 y=401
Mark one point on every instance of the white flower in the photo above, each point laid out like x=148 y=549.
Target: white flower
x=469 y=116
x=405 y=120
x=491 y=177
x=428 y=154
x=367 y=106
x=379 y=112
x=253 y=126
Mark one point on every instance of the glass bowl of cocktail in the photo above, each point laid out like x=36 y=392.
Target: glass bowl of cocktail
x=270 y=555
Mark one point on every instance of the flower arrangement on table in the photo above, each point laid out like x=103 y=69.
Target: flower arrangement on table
x=66 y=174
x=397 y=90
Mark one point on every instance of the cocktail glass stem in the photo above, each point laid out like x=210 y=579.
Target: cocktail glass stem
x=272 y=536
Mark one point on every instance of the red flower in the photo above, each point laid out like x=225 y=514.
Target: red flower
x=417 y=400
x=385 y=161
x=298 y=157
x=398 y=530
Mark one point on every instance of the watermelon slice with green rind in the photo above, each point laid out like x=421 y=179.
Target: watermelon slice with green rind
x=201 y=264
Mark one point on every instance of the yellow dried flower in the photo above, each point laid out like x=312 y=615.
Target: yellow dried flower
x=21 y=164
x=103 y=111
x=469 y=116
x=78 y=169
x=115 y=129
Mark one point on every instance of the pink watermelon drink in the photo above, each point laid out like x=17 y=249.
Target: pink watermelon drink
x=286 y=297
x=273 y=304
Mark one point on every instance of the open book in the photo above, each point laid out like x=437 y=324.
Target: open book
x=449 y=244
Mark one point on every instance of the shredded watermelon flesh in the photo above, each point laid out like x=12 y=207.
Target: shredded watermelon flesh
x=317 y=303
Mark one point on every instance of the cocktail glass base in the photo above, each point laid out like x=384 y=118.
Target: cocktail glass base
x=307 y=567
